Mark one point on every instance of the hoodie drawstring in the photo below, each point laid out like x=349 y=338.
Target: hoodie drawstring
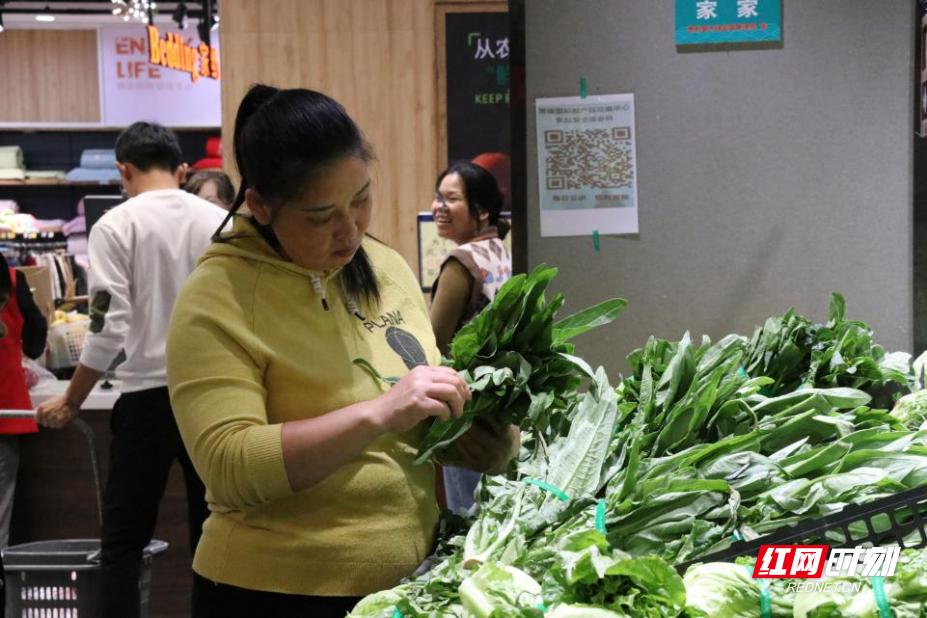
x=352 y=305
x=319 y=290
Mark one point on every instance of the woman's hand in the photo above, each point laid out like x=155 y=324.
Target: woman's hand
x=423 y=392
x=487 y=447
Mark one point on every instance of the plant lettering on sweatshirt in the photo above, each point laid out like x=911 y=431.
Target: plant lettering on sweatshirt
x=384 y=320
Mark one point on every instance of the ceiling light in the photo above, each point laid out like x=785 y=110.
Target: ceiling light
x=45 y=15
x=141 y=10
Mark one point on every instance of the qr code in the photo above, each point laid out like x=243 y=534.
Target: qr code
x=589 y=158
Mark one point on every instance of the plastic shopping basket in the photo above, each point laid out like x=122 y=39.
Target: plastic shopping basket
x=60 y=578
x=900 y=519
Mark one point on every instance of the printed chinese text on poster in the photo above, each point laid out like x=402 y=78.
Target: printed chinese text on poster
x=587 y=165
x=709 y=22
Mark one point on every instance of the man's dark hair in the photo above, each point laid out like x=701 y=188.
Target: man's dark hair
x=149 y=146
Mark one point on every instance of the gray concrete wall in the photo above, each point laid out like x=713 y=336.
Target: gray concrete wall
x=767 y=178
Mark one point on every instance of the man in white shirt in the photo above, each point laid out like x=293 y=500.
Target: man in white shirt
x=140 y=254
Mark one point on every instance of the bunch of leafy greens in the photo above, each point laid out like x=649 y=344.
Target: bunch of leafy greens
x=517 y=360
x=796 y=353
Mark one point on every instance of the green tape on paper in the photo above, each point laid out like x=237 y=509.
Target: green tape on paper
x=582 y=87
x=561 y=495
x=878 y=590
x=595 y=241
x=600 y=516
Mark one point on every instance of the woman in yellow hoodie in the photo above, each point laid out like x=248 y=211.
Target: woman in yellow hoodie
x=307 y=460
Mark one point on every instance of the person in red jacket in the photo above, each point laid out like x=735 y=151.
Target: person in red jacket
x=23 y=330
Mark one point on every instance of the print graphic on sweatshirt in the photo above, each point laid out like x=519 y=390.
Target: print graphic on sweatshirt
x=406 y=346
x=98 y=308
x=384 y=320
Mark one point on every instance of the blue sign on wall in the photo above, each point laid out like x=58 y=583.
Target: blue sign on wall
x=707 y=22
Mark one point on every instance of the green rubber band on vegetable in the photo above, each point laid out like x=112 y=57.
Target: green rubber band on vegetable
x=742 y=373
x=878 y=590
x=737 y=535
x=561 y=495
x=765 y=601
x=397 y=613
x=600 y=516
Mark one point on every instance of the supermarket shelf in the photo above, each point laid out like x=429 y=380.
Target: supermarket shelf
x=50 y=182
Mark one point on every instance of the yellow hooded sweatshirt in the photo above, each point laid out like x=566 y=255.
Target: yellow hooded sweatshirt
x=251 y=346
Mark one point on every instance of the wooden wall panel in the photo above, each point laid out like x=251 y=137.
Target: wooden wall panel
x=376 y=58
x=49 y=76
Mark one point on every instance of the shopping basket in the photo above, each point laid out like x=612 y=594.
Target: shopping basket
x=65 y=342
x=899 y=519
x=60 y=578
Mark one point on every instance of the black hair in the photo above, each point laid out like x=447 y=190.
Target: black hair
x=6 y=282
x=283 y=139
x=224 y=189
x=481 y=190
x=147 y=146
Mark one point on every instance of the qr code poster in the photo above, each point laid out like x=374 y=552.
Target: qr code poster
x=587 y=165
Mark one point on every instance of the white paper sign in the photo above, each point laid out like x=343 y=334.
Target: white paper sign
x=134 y=89
x=587 y=165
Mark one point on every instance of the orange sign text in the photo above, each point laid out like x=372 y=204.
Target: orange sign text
x=173 y=53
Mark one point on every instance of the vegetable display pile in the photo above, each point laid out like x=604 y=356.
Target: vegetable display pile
x=702 y=443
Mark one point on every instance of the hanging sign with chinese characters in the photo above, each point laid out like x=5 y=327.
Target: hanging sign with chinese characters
x=710 y=22
x=587 y=165
x=172 y=52
x=477 y=61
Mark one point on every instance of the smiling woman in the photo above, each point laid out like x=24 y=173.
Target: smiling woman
x=307 y=460
x=466 y=209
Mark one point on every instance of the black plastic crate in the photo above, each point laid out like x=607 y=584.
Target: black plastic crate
x=900 y=520
x=60 y=579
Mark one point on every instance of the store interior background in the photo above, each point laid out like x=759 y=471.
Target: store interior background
x=767 y=177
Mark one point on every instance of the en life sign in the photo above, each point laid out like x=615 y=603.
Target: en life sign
x=134 y=88
x=172 y=52
x=712 y=22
